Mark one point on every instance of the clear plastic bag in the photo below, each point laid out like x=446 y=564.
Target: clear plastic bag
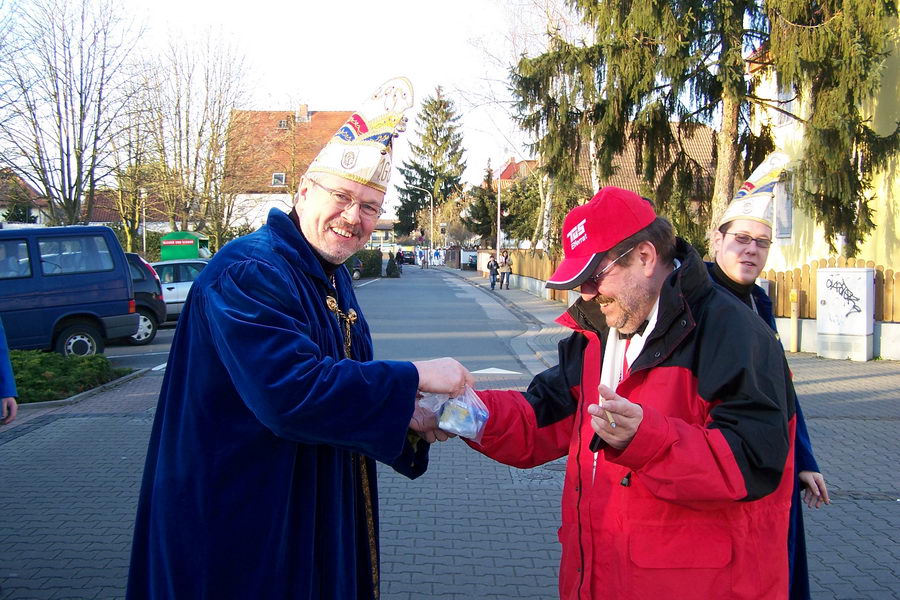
x=464 y=415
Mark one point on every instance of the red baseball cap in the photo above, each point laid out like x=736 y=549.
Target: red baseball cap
x=592 y=229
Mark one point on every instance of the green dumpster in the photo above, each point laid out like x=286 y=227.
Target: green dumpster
x=183 y=244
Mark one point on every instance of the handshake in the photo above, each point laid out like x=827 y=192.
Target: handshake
x=438 y=376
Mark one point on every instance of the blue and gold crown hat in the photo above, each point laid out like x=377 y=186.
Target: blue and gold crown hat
x=754 y=200
x=362 y=148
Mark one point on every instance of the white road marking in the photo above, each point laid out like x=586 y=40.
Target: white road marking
x=112 y=356
x=159 y=367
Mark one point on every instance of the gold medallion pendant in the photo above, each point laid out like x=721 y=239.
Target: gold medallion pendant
x=347 y=320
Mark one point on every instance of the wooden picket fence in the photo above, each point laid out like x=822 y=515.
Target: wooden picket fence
x=803 y=279
x=539 y=265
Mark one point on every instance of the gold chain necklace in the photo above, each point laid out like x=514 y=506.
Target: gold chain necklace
x=347 y=320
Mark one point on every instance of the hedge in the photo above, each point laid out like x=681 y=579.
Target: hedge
x=44 y=376
x=371 y=262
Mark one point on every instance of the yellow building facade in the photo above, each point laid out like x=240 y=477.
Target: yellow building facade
x=799 y=240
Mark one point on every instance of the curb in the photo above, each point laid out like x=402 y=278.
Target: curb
x=524 y=341
x=84 y=395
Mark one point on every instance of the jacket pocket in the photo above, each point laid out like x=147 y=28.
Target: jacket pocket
x=692 y=560
x=688 y=546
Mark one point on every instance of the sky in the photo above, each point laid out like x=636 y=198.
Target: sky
x=330 y=55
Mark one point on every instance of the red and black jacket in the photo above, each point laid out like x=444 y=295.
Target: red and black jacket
x=697 y=504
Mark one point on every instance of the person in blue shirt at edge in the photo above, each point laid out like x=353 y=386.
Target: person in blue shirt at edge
x=8 y=395
x=741 y=246
x=260 y=476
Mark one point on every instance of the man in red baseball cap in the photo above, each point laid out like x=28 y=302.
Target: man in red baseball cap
x=674 y=404
x=589 y=233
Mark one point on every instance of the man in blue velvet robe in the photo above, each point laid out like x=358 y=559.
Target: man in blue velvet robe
x=260 y=474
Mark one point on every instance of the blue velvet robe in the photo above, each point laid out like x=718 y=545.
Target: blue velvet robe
x=803 y=461
x=252 y=485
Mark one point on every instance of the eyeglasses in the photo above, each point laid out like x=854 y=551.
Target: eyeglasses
x=345 y=202
x=744 y=239
x=596 y=278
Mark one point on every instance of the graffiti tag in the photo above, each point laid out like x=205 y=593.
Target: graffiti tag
x=846 y=293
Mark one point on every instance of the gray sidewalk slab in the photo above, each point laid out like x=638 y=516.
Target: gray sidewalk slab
x=852 y=411
x=469 y=528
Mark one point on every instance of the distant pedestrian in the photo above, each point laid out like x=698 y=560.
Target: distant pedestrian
x=741 y=247
x=506 y=264
x=493 y=268
x=8 y=406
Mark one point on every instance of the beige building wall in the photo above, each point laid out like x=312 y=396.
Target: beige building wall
x=807 y=241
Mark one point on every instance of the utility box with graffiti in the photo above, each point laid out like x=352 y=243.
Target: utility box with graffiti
x=845 y=316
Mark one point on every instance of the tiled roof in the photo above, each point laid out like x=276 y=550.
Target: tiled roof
x=514 y=170
x=13 y=187
x=699 y=145
x=105 y=210
x=385 y=224
x=264 y=142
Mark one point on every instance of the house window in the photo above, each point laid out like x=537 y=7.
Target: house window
x=282 y=124
x=784 y=211
x=278 y=180
x=785 y=103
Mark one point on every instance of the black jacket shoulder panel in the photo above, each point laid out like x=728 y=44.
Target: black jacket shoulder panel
x=550 y=392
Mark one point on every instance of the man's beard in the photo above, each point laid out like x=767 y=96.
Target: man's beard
x=626 y=321
x=339 y=256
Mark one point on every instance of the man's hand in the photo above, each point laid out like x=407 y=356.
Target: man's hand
x=626 y=415
x=424 y=422
x=815 y=492
x=8 y=409
x=443 y=376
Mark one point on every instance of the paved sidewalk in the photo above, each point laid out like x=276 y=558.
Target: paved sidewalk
x=470 y=528
x=852 y=410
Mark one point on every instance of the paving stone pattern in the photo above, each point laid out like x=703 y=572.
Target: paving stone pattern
x=469 y=528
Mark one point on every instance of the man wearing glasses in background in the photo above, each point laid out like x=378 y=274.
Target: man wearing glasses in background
x=741 y=245
x=675 y=407
x=260 y=476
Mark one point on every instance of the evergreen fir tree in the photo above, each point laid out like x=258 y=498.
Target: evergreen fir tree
x=482 y=212
x=437 y=161
x=831 y=55
x=522 y=207
x=653 y=63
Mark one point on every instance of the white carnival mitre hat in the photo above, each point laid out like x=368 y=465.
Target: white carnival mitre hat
x=362 y=148
x=754 y=201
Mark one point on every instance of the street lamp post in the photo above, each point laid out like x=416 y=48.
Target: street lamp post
x=498 y=215
x=142 y=195
x=431 y=232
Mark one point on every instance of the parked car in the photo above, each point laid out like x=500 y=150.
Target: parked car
x=65 y=288
x=148 y=298
x=176 y=277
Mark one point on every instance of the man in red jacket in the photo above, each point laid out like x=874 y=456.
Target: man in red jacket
x=676 y=409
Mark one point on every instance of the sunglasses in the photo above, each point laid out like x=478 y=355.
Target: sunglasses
x=597 y=277
x=744 y=239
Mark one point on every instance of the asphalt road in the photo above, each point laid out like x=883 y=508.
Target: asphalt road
x=468 y=528
x=71 y=474
x=123 y=354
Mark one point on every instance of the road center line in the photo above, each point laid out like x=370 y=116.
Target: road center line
x=365 y=283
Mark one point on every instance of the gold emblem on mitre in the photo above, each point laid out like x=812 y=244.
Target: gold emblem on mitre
x=754 y=201
x=362 y=148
